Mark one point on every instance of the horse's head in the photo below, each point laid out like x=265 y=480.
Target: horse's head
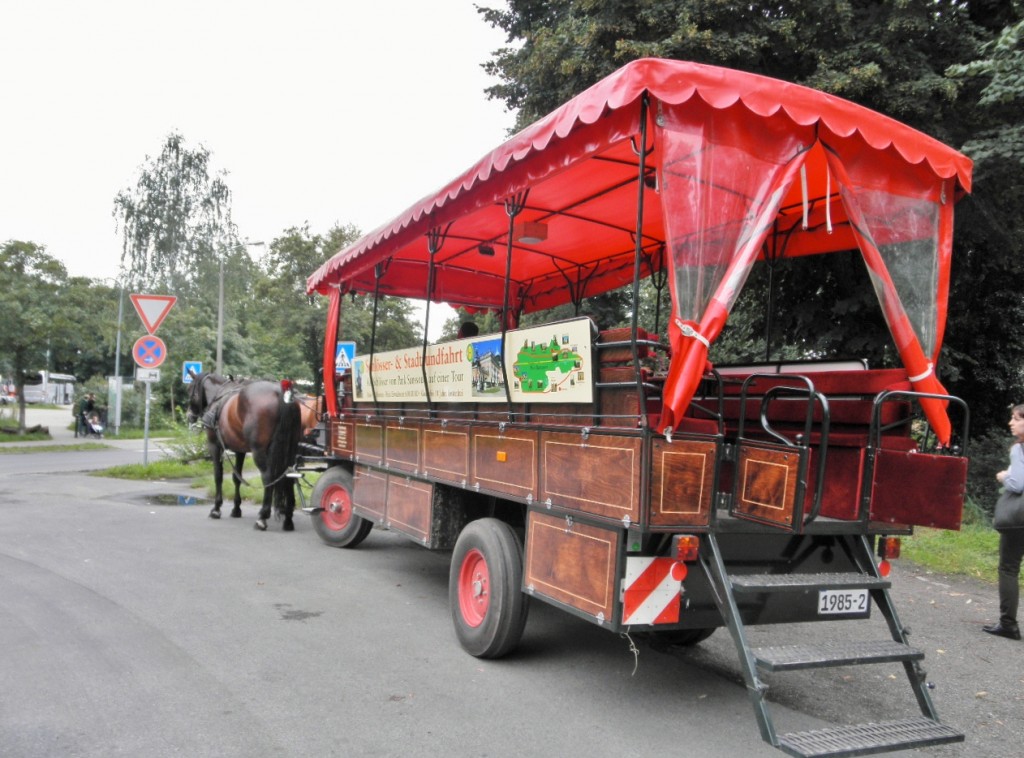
x=198 y=395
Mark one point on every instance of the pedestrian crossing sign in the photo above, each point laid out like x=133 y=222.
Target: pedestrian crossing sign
x=343 y=357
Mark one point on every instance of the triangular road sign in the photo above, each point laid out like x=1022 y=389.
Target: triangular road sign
x=153 y=309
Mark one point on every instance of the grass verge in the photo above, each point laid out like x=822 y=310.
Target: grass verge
x=973 y=551
x=8 y=449
x=160 y=470
x=10 y=434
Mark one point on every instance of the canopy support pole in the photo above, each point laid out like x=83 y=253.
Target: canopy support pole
x=378 y=272
x=513 y=207
x=435 y=241
x=638 y=256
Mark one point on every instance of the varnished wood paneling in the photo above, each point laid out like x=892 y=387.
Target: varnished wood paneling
x=369 y=496
x=599 y=475
x=505 y=462
x=918 y=489
x=682 y=482
x=573 y=564
x=369 y=441
x=767 y=484
x=409 y=507
x=403 y=446
x=446 y=452
x=342 y=437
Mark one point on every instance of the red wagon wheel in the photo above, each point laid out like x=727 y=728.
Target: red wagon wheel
x=488 y=606
x=335 y=523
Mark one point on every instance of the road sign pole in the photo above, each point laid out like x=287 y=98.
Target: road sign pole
x=145 y=432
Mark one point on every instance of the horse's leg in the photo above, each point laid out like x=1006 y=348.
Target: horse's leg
x=260 y=458
x=217 y=456
x=287 y=491
x=268 y=496
x=236 y=475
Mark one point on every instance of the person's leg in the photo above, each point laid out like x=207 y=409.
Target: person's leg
x=1011 y=549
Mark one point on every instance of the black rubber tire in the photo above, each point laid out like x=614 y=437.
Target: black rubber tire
x=683 y=637
x=485 y=594
x=336 y=524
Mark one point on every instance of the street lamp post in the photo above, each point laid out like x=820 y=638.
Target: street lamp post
x=220 y=318
x=220 y=309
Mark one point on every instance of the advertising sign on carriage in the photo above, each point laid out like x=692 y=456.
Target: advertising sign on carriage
x=548 y=363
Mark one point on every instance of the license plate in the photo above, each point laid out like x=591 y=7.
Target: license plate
x=843 y=601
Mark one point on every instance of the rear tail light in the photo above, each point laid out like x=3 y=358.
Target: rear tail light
x=889 y=548
x=686 y=547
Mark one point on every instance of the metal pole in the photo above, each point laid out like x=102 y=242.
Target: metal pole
x=220 y=317
x=117 y=364
x=120 y=318
x=145 y=431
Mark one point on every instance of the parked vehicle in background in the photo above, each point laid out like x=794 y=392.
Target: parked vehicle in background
x=619 y=475
x=49 y=387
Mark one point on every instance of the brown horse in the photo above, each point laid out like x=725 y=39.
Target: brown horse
x=310 y=414
x=255 y=417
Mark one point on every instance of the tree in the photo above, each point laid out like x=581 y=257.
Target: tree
x=990 y=253
x=28 y=305
x=892 y=57
x=289 y=331
x=176 y=221
x=888 y=56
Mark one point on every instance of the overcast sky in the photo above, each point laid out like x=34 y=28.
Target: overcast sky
x=329 y=111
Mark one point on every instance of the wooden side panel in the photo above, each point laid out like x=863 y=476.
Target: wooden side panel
x=767 y=484
x=918 y=489
x=409 y=507
x=506 y=461
x=403 y=447
x=369 y=441
x=342 y=438
x=683 y=482
x=446 y=452
x=369 y=496
x=599 y=475
x=572 y=564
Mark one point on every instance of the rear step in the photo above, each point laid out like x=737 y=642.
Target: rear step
x=865 y=739
x=747 y=583
x=856 y=739
x=845 y=653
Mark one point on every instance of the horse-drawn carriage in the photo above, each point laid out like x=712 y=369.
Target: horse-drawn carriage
x=618 y=474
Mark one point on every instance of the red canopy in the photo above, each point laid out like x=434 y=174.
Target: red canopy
x=693 y=168
x=580 y=168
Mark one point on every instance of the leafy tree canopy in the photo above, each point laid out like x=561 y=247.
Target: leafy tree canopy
x=176 y=220
x=951 y=68
x=28 y=310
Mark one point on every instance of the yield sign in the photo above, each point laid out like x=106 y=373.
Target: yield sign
x=153 y=309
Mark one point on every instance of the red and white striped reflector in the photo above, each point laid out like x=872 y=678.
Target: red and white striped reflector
x=650 y=590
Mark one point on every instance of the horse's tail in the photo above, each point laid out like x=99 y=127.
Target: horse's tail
x=283 y=450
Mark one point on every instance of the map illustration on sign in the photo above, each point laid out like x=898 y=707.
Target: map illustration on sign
x=548 y=366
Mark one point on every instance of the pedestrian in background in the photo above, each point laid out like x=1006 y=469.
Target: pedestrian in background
x=1011 y=541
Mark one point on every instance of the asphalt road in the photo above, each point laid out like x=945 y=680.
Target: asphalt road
x=129 y=627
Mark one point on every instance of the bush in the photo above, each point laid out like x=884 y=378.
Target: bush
x=989 y=454
x=187 y=448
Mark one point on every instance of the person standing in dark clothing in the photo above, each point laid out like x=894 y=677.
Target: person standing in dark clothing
x=1011 y=541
